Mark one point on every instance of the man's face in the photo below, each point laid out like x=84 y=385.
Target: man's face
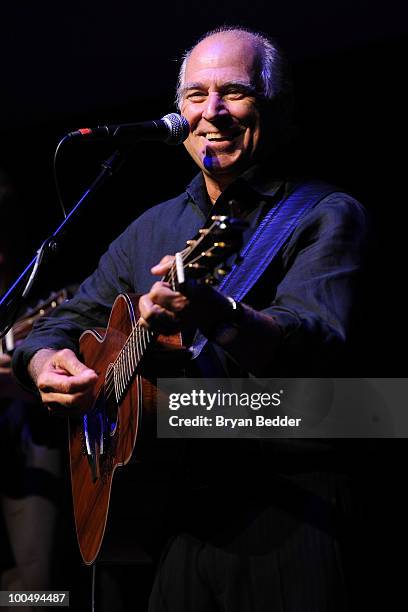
x=219 y=102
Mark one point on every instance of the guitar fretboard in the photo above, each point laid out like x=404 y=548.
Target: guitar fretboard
x=124 y=368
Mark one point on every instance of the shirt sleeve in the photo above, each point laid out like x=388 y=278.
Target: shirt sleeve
x=308 y=322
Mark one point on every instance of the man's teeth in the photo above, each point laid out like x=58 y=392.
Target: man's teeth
x=217 y=137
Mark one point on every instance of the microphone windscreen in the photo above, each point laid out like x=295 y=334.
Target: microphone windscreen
x=178 y=126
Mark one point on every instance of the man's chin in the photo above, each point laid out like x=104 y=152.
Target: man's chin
x=216 y=167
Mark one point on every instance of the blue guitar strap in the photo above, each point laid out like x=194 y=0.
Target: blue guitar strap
x=271 y=234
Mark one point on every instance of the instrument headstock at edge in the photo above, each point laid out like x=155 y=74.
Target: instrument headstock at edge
x=206 y=256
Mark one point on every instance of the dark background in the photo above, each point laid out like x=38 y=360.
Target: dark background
x=69 y=65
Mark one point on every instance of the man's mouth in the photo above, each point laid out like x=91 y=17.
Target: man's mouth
x=219 y=137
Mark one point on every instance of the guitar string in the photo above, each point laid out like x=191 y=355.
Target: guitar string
x=128 y=364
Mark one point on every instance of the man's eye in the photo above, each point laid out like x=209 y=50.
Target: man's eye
x=196 y=96
x=234 y=95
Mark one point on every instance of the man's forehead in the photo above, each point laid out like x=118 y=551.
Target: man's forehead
x=228 y=50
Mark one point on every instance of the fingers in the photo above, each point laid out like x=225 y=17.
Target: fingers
x=60 y=382
x=67 y=361
x=156 y=318
x=163 y=296
x=65 y=381
x=164 y=266
x=162 y=308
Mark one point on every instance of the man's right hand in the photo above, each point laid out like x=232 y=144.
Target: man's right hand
x=65 y=383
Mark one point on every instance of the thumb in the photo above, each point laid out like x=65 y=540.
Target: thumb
x=67 y=361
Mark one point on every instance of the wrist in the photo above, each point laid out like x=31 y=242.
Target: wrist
x=236 y=313
x=38 y=361
x=225 y=329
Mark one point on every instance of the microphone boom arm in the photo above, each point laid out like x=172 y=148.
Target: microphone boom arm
x=12 y=301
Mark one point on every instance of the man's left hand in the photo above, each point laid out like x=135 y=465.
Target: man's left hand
x=162 y=309
x=166 y=311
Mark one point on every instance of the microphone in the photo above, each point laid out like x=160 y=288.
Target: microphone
x=172 y=129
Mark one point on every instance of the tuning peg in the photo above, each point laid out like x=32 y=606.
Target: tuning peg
x=190 y=242
x=220 y=245
x=203 y=231
x=223 y=271
x=219 y=218
x=211 y=280
x=196 y=270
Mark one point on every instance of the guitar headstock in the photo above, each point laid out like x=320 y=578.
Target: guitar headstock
x=205 y=257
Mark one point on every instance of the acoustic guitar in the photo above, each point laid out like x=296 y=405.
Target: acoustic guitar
x=104 y=438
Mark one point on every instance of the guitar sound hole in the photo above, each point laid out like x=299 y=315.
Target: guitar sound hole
x=112 y=428
x=101 y=424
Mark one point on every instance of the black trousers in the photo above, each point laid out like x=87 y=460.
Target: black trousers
x=277 y=543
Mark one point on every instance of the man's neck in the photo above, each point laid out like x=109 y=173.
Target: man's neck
x=215 y=187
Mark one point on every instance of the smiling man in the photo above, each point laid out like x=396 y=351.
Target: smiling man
x=219 y=98
x=257 y=525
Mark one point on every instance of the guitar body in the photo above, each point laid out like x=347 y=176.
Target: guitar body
x=104 y=438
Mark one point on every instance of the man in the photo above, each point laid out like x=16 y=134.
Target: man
x=282 y=547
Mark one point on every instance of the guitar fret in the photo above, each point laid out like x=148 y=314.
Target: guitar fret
x=137 y=344
x=118 y=379
x=121 y=373
x=140 y=343
x=124 y=370
x=116 y=382
x=132 y=354
x=125 y=366
x=128 y=365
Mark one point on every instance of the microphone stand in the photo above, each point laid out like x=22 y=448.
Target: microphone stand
x=13 y=300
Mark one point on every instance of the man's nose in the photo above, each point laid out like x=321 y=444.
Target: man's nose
x=214 y=107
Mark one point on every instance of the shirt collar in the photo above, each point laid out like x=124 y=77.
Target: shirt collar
x=257 y=179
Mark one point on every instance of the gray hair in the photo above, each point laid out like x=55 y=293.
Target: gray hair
x=273 y=75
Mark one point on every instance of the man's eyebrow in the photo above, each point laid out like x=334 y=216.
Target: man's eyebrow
x=244 y=85
x=192 y=85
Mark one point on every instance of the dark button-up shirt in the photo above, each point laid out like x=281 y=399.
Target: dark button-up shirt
x=309 y=289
